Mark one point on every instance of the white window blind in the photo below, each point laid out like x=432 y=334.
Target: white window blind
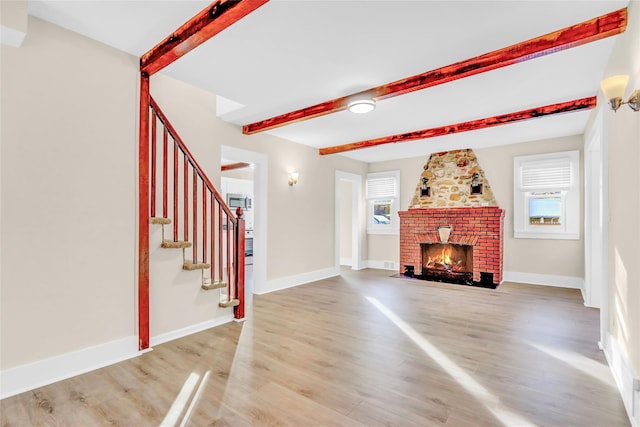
x=381 y=187
x=383 y=200
x=546 y=174
x=546 y=196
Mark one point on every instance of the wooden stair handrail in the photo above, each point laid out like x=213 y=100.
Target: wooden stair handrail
x=191 y=159
x=222 y=231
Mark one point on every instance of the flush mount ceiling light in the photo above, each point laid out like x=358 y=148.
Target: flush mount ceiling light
x=613 y=89
x=362 y=106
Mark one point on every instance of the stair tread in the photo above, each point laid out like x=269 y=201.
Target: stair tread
x=190 y=265
x=159 y=220
x=175 y=245
x=229 y=303
x=214 y=285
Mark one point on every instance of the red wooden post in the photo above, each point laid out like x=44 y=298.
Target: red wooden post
x=195 y=216
x=220 y=243
x=238 y=311
x=143 y=215
x=175 y=191
x=213 y=237
x=229 y=284
x=204 y=223
x=153 y=165
x=185 y=170
x=165 y=165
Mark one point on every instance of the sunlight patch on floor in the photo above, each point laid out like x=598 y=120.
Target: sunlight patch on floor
x=180 y=402
x=196 y=398
x=484 y=396
x=185 y=397
x=245 y=342
x=620 y=312
x=577 y=361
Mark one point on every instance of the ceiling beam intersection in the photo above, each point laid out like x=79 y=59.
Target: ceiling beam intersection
x=207 y=23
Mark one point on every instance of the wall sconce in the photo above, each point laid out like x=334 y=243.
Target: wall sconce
x=425 y=190
x=293 y=178
x=613 y=88
x=476 y=187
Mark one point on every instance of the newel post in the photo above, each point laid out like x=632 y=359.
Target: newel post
x=238 y=311
x=143 y=215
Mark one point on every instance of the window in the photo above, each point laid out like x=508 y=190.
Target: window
x=547 y=196
x=383 y=201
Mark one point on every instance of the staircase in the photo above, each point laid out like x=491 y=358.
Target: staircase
x=193 y=216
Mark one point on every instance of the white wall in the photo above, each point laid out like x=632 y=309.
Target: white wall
x=68 y=195
x=622 y=337
x=564 y=258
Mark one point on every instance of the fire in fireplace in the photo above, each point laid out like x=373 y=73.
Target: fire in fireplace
x=447 y=262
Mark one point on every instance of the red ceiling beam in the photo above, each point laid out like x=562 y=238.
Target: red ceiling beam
x=206 y=24
x=232 y=166
x=576 y=35
x=563 y=107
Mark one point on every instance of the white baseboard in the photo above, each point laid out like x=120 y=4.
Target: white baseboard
x=624 y=376
x=299 y=279
x=188 y=330
x=382 y=265
x=346 y=261
x=43 y=372
x=544 y=279
x=361 y=265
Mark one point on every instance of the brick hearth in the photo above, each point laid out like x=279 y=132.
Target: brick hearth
x=481 y=227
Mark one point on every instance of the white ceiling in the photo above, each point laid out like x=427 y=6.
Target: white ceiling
x=292 y=54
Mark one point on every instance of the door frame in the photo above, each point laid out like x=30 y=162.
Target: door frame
x=596 y=227
x=356 y=224
x=260 y=196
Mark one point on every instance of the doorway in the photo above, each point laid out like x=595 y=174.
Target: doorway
x=256 y=277
x=348 y=194
x=596 y=220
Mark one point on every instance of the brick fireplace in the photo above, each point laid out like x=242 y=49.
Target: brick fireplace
x=482 y=228
x=452 y=191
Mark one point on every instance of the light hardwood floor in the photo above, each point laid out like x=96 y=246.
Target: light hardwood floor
x=363 y=349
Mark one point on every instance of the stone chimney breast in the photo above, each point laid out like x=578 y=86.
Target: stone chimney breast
x=453 y=179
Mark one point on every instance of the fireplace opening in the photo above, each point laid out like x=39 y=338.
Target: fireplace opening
x=447 y=262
